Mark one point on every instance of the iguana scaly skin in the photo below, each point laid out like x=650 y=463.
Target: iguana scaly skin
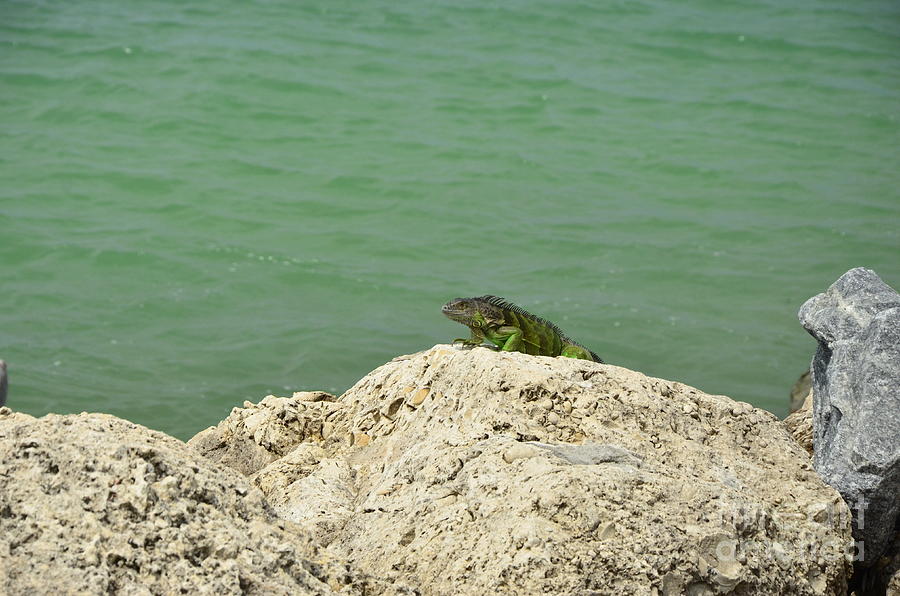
x=512 y=329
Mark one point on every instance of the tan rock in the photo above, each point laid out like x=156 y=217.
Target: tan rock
x=258 y=434
x=800 y=390
x=799 y=424
x=92 y=504
x=306 y=475
x=419 y=397
x=313 y=396
x=7 y=415
x=634 y=485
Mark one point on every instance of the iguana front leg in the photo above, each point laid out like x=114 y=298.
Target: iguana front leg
x=508 y=338
x=476 y=339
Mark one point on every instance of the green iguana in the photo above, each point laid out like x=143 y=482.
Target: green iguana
x=512 y=329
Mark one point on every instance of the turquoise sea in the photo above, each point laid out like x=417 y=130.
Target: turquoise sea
x=203 y=203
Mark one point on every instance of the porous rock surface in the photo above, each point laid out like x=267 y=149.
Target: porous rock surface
x=800 y=390
x=469 y=471
x=92 y=504
x=799 y=424
x=856 y=410
x=252 y=437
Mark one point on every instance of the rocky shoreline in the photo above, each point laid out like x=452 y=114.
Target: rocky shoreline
x=449 y=471
x=445 y=472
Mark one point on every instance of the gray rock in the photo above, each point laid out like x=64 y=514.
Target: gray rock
x=856 y=410
x=591 y=454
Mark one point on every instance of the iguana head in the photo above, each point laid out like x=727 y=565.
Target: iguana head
x=472 y=312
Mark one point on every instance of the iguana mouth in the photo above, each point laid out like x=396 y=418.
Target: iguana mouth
x=453 y=313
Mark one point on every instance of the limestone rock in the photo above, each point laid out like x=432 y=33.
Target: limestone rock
x=7 y=415
x=324 y=485
x=800 y=390
x=469 y=471
x=799 y=424
x=856 y=410
x=92 y=504
x=258 y=434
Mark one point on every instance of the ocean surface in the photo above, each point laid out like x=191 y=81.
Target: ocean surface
x=205 y=203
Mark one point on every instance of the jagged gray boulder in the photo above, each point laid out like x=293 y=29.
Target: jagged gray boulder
x=856 y=408
x=93 y=504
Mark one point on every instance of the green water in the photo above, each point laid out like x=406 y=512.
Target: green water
x=204 y=204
